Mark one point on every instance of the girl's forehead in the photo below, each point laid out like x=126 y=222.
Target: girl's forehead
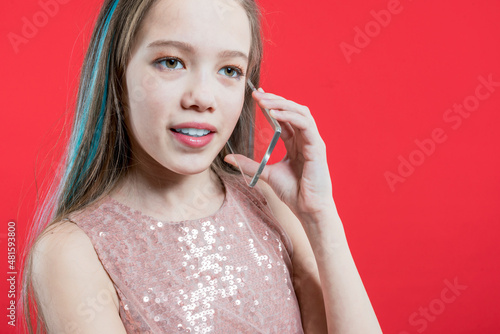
x=209 y=21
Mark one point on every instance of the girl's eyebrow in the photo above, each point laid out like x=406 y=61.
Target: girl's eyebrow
x=189 y=48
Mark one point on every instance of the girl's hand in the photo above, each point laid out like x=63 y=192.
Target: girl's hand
x=301 y=179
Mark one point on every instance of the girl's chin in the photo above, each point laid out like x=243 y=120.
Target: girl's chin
x=189 y=166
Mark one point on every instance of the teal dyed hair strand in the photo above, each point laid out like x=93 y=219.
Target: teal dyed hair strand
x=82 y=122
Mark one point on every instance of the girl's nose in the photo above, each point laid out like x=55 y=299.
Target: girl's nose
x=199 y=94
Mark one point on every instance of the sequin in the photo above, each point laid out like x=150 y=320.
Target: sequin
x=192 y=270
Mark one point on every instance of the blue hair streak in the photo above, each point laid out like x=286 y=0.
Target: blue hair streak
x=77 y=139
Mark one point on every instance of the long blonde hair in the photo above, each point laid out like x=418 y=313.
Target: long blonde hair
x=98 y=154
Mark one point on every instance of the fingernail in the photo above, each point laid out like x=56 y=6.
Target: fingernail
x=273 y=112
x=260 y=90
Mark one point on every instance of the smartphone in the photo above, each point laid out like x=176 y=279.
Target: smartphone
x=265 y=132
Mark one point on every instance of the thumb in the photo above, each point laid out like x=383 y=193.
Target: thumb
x=245 y=164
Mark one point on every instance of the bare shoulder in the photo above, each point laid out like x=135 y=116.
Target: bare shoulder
x=73 y=289
x=61 y=236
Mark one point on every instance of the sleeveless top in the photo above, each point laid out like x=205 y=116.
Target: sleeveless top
x=230 y=272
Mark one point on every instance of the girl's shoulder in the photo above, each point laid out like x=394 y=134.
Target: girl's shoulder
x=87 y=210
x=267 y=204
x=241 y=188
x=66 y=271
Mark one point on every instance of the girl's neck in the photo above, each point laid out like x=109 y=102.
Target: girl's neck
x=171 y=198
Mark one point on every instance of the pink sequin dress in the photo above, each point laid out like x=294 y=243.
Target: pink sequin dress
x=226 y=273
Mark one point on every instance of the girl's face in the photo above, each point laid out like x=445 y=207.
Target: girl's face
x=185 y=82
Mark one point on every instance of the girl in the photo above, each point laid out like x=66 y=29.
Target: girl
x=154 y=230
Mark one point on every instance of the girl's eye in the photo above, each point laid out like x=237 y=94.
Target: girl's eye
x=170 y=63
x=232 y=71
x=173 y=63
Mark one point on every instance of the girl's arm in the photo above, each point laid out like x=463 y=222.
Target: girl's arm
x=302 y=181
x=75 y=294
x=326 y=280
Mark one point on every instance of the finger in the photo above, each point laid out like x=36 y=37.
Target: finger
x=260 y=93
x=285 y=105
x=287 y=135
x=287 y=131
x=245 y=164
x=305 y=125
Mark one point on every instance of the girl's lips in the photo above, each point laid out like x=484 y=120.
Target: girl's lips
x=190 y=141
x=196 y=125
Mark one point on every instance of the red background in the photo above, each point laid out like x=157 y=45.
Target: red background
x=439 y=225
